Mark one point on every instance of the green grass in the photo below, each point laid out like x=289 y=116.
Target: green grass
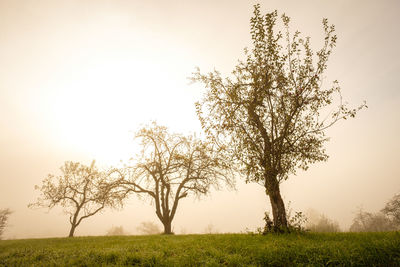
x=348 y=249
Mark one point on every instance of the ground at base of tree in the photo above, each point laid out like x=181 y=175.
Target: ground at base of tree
x=348 y=249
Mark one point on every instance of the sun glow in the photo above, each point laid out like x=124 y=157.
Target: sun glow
x=98 y=111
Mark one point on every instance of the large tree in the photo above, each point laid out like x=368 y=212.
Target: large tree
x=171 y=167
x=271 y=113
x=81 y=190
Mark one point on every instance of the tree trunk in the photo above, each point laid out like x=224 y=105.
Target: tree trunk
x=277 y=204
x=71 y=232
x=74 y=222
x=278 y=211
x=167 y=227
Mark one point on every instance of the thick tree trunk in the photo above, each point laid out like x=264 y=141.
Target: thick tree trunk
x=71 y=232
x=167 y=227
x=277 y=204
x=278 y=211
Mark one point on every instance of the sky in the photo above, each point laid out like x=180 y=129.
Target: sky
x=78 y=78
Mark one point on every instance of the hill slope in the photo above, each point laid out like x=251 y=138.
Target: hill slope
x=382 y=249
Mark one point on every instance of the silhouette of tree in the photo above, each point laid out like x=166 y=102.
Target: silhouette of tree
x=318 y=222
x=210 y=229
x=371 y=222
x=81 y=190
x=392 y=210
x=271 y=114
x=170 y=168
x=149 y=228
x=4 y=214
x=116 y=230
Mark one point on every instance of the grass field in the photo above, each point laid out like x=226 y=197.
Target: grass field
x=349 y=249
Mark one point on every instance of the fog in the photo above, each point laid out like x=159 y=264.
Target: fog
x=78 y=78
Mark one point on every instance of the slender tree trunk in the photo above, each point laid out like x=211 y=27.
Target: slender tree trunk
x=167 y=227
x=71 y=232
x=277 y=204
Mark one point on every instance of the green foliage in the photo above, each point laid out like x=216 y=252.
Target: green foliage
x=268 y=113
x=344 y=249
x=295 y=224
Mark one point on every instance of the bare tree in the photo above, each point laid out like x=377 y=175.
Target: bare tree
x=271 y=114
x=4 y=214
x=170 y=168
x=149 y=228
x=81 y=190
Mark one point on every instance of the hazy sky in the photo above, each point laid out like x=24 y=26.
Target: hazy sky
x=77 y=78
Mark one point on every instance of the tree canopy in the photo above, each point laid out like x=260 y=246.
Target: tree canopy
x=171 y=167
x=81 y=190
x=271 y=114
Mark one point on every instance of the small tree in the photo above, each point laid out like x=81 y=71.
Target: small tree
x=323 y=225
x=318 y=222
x=81 y=190
x=392 y=210
x=269 y=115
x=210 y=229
x=170 y=168
x=116 y=230
x=149 y=228
x=4 y=214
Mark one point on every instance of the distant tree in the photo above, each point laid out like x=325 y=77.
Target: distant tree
x=392 y=210
x=318 y=222
x=270 y=116
x=81 y=190
x=371 y=222
x=210 y=229
x=184 y=231
x=116 y=230
x=323 y=225
x=4 y=214
x=170 y=168
x=149 y=228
